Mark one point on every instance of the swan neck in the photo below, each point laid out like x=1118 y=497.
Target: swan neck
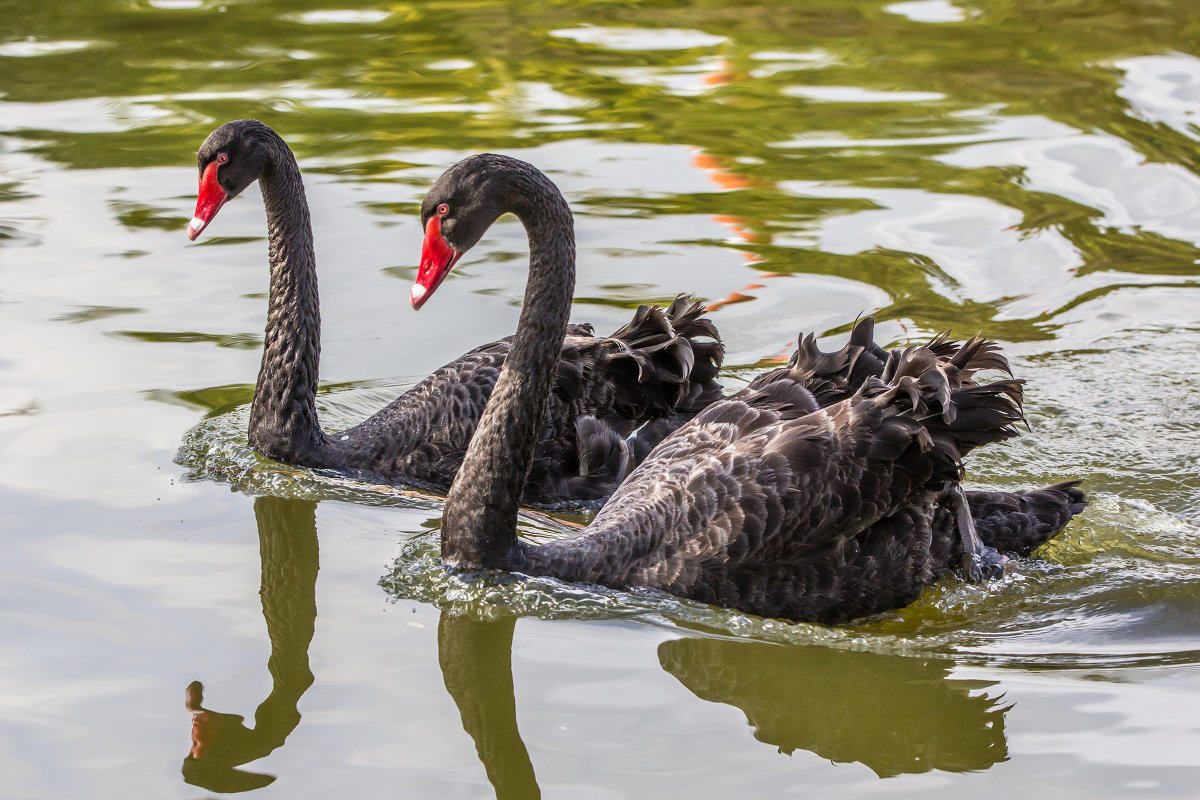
x=479 y=526
x=283 y=417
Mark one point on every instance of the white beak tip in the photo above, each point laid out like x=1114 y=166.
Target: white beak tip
x=194 y=227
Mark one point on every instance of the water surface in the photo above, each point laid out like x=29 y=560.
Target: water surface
x=1026 y=170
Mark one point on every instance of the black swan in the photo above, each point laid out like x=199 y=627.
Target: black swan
x=662 y=363
x=764 y=502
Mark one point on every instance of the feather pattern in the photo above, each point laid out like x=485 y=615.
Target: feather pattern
x=1021 y=522
x=769 y=504
x=825 y=490
x=1015 y=522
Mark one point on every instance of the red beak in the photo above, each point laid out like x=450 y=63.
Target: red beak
x=208 y=202
x=437 y=257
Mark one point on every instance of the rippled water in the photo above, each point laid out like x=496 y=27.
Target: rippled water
x=1029 y=170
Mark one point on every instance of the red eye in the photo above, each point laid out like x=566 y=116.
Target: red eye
x=443 y=209
x=222 y=158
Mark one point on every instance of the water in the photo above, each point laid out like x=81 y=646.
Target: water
x=1030 y=171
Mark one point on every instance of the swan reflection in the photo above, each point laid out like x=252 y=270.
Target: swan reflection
x=476 y=660
x=221 y=742
x=894 y=714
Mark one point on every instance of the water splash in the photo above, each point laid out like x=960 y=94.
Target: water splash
x=1101 y=594
x=217 y=449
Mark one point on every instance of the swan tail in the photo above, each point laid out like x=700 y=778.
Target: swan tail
x=659 y=367
x=956 y=414
x=686 y=315
x=666 y=361
x=835 y=376
x=1020 y=522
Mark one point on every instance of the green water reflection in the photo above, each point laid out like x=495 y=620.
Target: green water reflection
x=222 y=743
x=894 y=714
x=775 y=96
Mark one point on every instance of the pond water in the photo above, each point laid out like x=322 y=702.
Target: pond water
x=1029 y=170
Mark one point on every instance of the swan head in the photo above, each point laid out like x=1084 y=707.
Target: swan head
x=231 y=158
x=459 y=208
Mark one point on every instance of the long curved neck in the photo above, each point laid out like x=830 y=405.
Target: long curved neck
x=479 y=525
x=283 y=417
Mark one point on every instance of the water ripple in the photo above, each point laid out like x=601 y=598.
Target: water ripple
x=1098 y=596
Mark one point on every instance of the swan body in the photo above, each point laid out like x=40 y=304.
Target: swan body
x=662 y=363
x=825 y=490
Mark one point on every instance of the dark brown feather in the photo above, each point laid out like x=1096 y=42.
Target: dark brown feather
x=823 y=491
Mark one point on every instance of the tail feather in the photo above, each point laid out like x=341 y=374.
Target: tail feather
x=832 y=377
x=655 y=372
x=686 y=315
x=672 y=355
x=1020 y=522
x=935 y=386
x=979 y=355
x=958 y=414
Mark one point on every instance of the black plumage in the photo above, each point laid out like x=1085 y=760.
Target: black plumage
x=765 y=505
x=1020 y=522
x=663 y=363
x=825 y=490
x=1015 y=522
